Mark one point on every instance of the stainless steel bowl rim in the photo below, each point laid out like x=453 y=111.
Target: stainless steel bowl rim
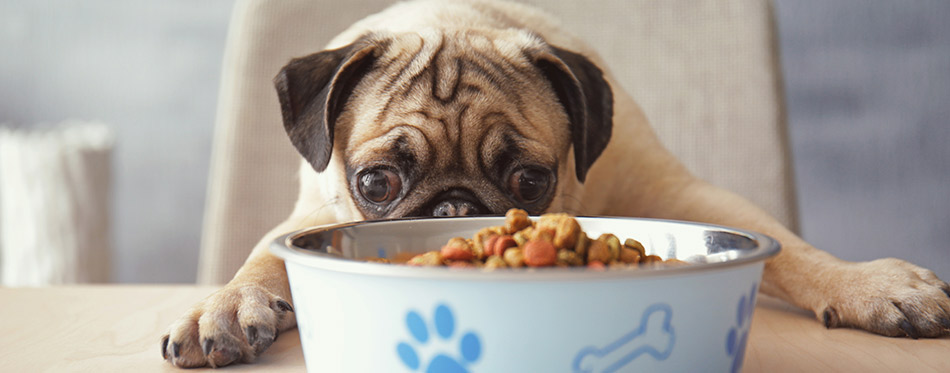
x=283 y=247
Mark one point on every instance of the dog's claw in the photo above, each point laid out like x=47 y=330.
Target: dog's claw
x=221 y=355
x=260 y=338
x=165 y=347
x=250 y=333
x=175 y=350
x=909 y=328
x=830 y=317
x=905 y=323
x=283 y=305
x=207 y=345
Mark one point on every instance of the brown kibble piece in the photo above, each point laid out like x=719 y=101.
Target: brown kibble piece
x=613 y=245
x=568 y=258
x=566 y=234
x=636 y=245
x=597 y=251
x=561 y=227
x=471 y=246
x=650 y=259
x=551 y=221
x=542 y=234
x=580 y=245
x=539 y=253
x=457 y=249
x=479 y=240
x=516 y=220
x=495 y=262
x=514 y=257
x=596 y=265
x=629 y=256
x=522 y=236
x=429 y=259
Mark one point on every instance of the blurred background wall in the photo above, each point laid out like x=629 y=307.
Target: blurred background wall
x=867 y=87
x=150 y=69
x=868 y=94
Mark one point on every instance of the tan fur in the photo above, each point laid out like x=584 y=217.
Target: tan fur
x=881 y=296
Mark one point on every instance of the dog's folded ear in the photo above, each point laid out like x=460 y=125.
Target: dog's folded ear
x=587 y=99
x=313 y=90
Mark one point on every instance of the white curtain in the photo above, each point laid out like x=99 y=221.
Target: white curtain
x=55 y=193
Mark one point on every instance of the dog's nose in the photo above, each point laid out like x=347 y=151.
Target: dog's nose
x=455 y=207
x=455 y=202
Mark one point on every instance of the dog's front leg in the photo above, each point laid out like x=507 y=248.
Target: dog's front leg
x=886 y=296
x=238 y=322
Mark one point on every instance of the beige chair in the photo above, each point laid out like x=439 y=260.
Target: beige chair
x=705 y=71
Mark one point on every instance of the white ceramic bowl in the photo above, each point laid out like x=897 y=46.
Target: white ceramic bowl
x=366 y=317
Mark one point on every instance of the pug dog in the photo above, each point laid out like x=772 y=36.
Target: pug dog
x=450 y=108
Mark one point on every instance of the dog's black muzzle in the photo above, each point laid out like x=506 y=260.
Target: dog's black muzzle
x=454 y=202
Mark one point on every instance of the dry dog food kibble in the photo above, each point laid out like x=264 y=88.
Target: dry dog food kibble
x=553 y=240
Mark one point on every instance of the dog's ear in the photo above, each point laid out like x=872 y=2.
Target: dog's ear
x=587 y=99
x=312 y=92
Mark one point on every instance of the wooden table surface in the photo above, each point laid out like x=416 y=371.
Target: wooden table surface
x=117 y=329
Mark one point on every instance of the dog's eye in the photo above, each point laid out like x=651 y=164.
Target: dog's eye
x=529 y=184
x=379 y=185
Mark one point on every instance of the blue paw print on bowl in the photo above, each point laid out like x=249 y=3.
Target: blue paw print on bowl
x=738 y=335
x=469 y=346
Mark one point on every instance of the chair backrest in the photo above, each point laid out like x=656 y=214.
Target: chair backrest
x=705 y=72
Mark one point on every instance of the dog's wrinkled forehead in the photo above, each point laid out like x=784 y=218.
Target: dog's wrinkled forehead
x=463 y=91
x=418 y=51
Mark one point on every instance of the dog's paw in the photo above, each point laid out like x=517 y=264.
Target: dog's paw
x=235 y=324
x=889 y=297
